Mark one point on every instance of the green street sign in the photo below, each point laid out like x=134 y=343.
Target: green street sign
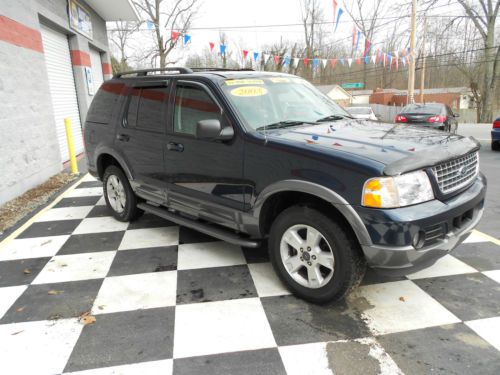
x=353 y=85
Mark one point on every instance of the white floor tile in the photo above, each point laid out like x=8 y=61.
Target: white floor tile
x=75 y=267
x=317 y=360
x=151 y=237
x=494 y=275
x=99 y=225
x=266 y=281
x=163 y=367
x=134 y=292
x=9 y=295
x=101 y=202
x=40 y=347
x=32 y=247
x=475 y=237
x=209 y=254
x=65 y=213
x=219 y=327
x=84 y=192
x=488 y=329
x=401 y=306
x=89 y=177
x=446 y=266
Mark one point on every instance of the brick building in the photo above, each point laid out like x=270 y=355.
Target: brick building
x=54 y=55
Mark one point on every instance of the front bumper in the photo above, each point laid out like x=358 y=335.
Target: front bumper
x=442 y=225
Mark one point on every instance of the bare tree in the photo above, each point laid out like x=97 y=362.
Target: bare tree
x=120 y=37
x=312 y=16
x=483 y=14
x=175 y=17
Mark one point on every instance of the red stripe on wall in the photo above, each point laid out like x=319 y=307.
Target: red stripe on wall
x=106 y=68
x=16 y=33
x=80 y=58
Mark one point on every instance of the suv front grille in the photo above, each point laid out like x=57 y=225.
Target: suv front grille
x=457 y=173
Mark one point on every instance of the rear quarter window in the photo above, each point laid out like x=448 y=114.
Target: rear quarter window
x=104 y=102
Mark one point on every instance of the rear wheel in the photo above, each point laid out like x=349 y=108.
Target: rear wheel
x=119 y=196
x=315 y=256
x=495 y=145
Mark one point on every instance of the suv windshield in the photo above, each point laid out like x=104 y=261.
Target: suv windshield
x=285 y=101
x=427 y=108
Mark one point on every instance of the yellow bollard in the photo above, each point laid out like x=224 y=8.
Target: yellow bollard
x=71 y=149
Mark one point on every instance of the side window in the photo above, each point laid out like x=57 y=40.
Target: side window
x=150 y=109
x=193 y=104
x=132 y=107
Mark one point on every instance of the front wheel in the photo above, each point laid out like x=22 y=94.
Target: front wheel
x=314 y=256
x=119 y=196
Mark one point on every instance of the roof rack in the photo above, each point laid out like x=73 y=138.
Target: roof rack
x=144 y=72
x=174 y=69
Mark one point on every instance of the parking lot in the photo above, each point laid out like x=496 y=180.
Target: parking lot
x=166 y=299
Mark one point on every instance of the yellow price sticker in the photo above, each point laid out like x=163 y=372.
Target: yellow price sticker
x=249 y=91
x=234 y=82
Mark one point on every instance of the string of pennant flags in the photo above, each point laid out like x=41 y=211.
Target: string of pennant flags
x=390 y=60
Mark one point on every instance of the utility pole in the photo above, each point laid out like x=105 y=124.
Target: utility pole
x=411 y=73
x=422 y=75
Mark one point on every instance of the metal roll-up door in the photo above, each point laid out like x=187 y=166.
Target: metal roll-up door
x=97 y=75
x=62 y=88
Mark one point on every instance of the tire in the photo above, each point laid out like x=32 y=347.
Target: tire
x=348 y=262
x=119 y=196
x=495 y=145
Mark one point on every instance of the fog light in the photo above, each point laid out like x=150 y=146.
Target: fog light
x=419 y=240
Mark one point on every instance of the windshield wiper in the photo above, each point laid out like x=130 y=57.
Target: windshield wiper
x=333 y=118
x=284 y=124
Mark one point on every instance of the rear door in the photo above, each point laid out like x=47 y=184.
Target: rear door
x=204 y=177
x=142 y=137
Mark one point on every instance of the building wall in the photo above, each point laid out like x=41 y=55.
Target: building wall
x=29 y=151
x=387 y=98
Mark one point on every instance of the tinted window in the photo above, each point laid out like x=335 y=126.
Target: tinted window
x=104 y=101
x=132 y=107
x=359 y=110
x=193 y=104
x=149 y=113
x=426 y=108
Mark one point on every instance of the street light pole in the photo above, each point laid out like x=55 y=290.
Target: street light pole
x=422 y=76
x=411 y=73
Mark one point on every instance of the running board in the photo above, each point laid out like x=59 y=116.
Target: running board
x=211 y=230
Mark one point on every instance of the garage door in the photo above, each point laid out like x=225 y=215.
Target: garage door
x=97 y=76
x=62 y=88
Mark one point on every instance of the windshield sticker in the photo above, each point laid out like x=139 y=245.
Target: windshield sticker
x=249 y=91
x=234 y=82
x=279 y=80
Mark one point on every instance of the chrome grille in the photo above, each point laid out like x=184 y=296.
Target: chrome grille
x=457 y=173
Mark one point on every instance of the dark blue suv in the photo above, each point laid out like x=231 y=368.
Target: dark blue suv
x=257 y=158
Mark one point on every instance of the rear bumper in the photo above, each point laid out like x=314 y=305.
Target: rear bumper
x=393 y=231
x=495 y=135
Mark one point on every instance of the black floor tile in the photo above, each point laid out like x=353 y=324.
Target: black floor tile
x=78 y=201
x=21 y=272
x=214 y=284
x=483 y=256
x=255 y=362
x=150 y=221
x=155 y=259
x=256 y=255
x=89 y=184
x=50 y=228
x=92 y=242
x=468 y=296
x=124 y=338
x=69 y=301
x=449 y=349
x=294 y=321
x=99 y=211
x=373 y=277
x=188 y=235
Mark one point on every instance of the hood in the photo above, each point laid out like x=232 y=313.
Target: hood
x=400 y=147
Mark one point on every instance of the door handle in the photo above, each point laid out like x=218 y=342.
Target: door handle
x=172 y=146
x=123 y=137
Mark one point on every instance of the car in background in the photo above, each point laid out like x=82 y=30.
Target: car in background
x=495 y=135
x=362 y=113
x=433 y=115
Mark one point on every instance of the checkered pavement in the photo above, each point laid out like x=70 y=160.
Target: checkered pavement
x=171 y=300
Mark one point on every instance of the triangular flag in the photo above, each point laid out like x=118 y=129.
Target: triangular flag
x=389 y=60
x=334 y=9
x=255 y=55
x=245 y=53
x=368 y=47
x=266 y=57
x=324 y=61
x=187 y=38
x=358 y=61
x=353 y=34
x=296 y=61
x=374 y=59
x=403 y=60
x=306 y=61
x=175 y=35
x=222 y=48
x=342 y=62
x=286 y=61
x=276 y=59
x=397 y=64
x=349 y=62
x=367 y=59
x=315 y=63
x=358 y=37
x=150 y=25
x=338 y=18
x=333 y=62
x=212 y=45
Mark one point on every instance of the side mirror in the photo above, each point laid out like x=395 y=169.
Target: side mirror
x=456 y=115
x=212 y=130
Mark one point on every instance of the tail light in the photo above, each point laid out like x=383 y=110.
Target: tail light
x=401 y=118
x=437 y=119
x=496 y=124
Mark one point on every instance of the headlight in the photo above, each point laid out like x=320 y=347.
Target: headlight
x=399 y=191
